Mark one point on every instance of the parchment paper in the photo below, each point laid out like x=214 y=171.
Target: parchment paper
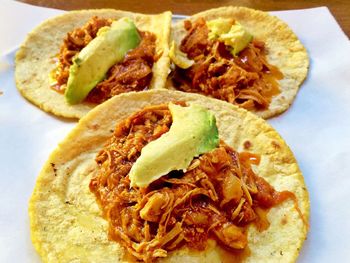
x=316 y=127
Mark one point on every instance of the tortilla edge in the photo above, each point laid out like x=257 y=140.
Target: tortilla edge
x=95 y=113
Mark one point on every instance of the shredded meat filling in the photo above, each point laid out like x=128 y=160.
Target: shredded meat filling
x=247 y=79
x=134 y=73
x=217 y=197
x=73 y=43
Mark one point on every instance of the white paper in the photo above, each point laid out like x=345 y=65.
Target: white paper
x=317 y=128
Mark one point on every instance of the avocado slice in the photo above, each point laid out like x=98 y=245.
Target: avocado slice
x=237 y=38
x=193 y=132
x=94 y=60
x=232 y=33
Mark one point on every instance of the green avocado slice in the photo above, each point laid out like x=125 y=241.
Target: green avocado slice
x=193 y=132
x=92 y=63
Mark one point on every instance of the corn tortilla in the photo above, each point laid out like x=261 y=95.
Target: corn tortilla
x=34 y=60
x=284 y=49
x=66 y=222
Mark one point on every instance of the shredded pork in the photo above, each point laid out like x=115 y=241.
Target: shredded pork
x=72 y=44
x=217 y=197
x=134 y=73
x=247 y=79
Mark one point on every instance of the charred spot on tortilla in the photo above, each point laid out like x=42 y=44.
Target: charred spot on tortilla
x=247 y=144
x=241 y=56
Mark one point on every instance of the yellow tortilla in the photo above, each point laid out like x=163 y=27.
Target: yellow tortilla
x=66 y=222
x=34 y=60
x=284 y=49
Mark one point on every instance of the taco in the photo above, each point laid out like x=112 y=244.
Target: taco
x=243 y=56
x=152 y=176
x=75 y=61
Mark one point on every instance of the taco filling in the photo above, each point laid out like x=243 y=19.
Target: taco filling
x=217 y=197
x=230 y=66
x=133 y=73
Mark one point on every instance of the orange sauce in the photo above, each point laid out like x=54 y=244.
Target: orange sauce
x=192 y=203
x=247 y=79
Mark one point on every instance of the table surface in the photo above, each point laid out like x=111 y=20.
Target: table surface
x=339 y=8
